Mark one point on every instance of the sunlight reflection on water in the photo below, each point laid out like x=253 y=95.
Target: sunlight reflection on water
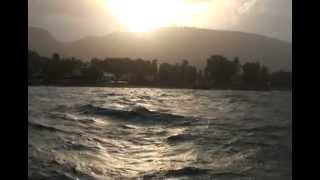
x=103 y=133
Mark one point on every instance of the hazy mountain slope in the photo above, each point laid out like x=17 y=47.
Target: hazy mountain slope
x=43 y=42
x=175 y=44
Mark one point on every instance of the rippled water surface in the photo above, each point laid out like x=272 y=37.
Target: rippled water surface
x=141 y=133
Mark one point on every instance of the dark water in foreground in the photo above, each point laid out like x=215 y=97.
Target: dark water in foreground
x=126 y=133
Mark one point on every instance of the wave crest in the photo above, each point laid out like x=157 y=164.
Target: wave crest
x=139 y=113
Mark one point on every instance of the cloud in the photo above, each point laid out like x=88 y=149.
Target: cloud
x=70 y=7
x=268 y=17
x=246 y=6
x=198 y=1
x=63 y=17
x=91 y=17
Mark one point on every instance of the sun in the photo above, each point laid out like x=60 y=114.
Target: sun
x=147 y=15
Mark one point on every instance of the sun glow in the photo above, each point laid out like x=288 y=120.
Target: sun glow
x=147 y=15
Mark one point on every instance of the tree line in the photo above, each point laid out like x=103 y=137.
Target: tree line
x=220 y=73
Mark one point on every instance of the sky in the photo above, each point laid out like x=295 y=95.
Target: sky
x=69 y=20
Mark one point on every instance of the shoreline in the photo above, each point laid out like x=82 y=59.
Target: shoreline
x=154 y=86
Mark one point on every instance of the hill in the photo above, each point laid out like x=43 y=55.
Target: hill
x=171 y=45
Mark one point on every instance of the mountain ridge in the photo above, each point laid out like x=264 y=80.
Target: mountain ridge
x=170 y=44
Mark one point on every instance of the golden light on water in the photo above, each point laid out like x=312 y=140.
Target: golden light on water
x=147 y=15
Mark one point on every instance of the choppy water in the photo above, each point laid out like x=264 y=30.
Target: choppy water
x=132 y=133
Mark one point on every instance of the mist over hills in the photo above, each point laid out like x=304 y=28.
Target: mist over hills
x=170 y=45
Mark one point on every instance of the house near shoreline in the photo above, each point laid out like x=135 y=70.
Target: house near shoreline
x=106 y=76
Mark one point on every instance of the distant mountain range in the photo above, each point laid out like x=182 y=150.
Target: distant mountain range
x=170 y=45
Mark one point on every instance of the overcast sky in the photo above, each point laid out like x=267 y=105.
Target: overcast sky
x=69 y=20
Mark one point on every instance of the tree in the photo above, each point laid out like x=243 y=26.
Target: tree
x=220 y=70
x=251 y=72
x=92 y=73
x=281 y=80
x=237 y=65
x=154 y=66
x=56 y=56
x=164 y=72
x=255 y=76
x=264 y=74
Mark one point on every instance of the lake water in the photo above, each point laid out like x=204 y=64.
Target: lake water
x=146 y=133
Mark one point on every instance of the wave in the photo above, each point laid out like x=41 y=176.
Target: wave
x=179 y=138
x=77 y=146
x=71 y=117
x=43 y=127
x=138 y=113
x=53 y=175
x=186 y=171
x=266 y=128
x=58 y=171
x=194 y=173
